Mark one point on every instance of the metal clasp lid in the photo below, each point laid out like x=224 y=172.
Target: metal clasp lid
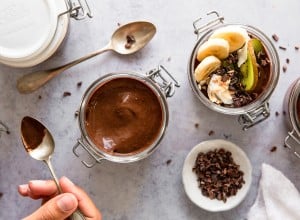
x=89 y=151
x=78 y=9
x=255 y=116
x=294 y=137
x=168 y=87
x=208 y=24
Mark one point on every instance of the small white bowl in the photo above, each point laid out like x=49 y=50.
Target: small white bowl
x=191 y=184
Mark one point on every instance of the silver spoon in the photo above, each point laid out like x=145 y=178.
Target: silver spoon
x=39 y=144
x=127 y=39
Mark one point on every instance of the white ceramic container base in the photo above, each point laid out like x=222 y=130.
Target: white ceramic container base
x=191 y=184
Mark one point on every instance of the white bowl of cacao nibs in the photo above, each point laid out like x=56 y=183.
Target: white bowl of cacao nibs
x=217 y=175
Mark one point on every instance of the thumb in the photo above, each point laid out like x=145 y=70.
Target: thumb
x=58 y=208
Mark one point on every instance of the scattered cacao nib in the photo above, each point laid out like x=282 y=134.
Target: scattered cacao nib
x=169 y=59
x=168 y=162
x=119 y=24
x=296 y=48
x=196 y=125
x=4 y=128
x=211 y=132
x=79 y=84
x=277 y=114
x=1 y=194
x=226 y=136
x=66 y=94
x=76 y=114
x=219 y=177
x=287 y=60
x=284 y=113
x=284 y=68
x=275 y=37
x=273 y=149
x=282 y=48
x=130 y=41
x=39 y=97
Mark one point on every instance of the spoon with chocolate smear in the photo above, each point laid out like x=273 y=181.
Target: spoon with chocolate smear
x=127 y=39
x=39 y=144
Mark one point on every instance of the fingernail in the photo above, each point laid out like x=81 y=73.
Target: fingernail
x=23 y=188
x=66 y=203
x=68 y=181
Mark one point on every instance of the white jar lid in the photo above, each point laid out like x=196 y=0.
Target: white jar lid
x=26 y=27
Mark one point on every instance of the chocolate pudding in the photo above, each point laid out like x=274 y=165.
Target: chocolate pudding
x=123 y=116
x=33 y=133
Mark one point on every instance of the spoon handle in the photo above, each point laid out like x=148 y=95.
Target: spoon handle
x=32 y=81
x=77 y=215
x=48 y=162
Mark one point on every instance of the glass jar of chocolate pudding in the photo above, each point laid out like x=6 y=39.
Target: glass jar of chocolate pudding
x=124 y=116
x=292 y=108
x=233 y=69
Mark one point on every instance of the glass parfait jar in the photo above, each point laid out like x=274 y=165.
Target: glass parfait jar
x=292 y=108
x=31 y=31
x=254 y=112
x=154 y=82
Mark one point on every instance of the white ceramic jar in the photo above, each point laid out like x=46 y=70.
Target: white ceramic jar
x=32 y=30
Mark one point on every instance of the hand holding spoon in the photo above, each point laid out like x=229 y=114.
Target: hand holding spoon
x=127 y=39
x=39 y=144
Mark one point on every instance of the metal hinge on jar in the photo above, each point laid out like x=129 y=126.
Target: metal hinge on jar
x=78 y=9
x=291 y=141
x=255 y=116
x=157 y=76
x=206 y=25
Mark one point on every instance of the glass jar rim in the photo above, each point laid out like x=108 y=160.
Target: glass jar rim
x=292 y=106
x=120 y=158
x=275 y=69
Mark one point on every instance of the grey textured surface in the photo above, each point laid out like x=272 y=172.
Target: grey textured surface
x=149 y=189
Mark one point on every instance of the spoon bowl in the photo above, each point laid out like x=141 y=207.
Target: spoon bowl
x=39 y=144
x=127 y=39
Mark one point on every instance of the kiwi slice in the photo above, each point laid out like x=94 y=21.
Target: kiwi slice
x=249 y=69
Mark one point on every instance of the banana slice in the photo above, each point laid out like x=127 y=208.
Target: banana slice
x=206 y=67
x=217 y=47
x=235 y=35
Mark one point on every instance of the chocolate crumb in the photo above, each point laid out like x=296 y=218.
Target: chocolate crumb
x=284 y=68
x=7 y=132
x=296 y=48
x=275 y=37
x=66 y=94
x=226 y=136
x=119 y=24
x=40 y=97
x=196 y=125
x=273 y=149
x=277 y=114
x=284 y=113
x=211 y=132
x=168 y=162
x=169 y=59
x=282 y=48
x=287 y=60
x=1 y=194
x=79 y=84
x=130 y=41
x=76 y=114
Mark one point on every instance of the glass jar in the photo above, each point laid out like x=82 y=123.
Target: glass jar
x=254 y=112
x=32 y=30
x=291 y=106
x=154 y=80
